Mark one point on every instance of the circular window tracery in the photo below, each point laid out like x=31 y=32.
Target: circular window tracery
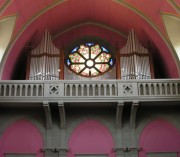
x=90 y=60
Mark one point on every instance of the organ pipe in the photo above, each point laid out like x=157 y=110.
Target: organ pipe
x=135 y=60
x=44 y=61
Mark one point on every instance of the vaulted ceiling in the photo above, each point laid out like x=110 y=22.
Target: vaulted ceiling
x=110 y=20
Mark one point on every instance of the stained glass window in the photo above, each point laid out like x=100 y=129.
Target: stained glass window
x=90 y=60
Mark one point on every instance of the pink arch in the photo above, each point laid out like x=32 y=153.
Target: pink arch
x=91 y=137
x=22 y=137
x=159 y=136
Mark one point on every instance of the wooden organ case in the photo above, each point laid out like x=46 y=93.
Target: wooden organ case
x=134 y=61
x=46 y=62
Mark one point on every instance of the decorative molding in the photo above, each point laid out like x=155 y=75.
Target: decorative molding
x=127 y=89
x=4 y=6
x=174 y=5
x=53 y=90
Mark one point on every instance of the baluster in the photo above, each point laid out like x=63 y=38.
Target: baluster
x=40 y=90
x=168 y=89
x=73 y=90
x=149 y=86
x=11 y=90
x=151 y=89
x=76 y=86
x=99 y=89
x=31 y=90
x=115 y=89
x=107 y=90
x=78 y=90
x=176 y=88
x=66 y=86
x=160 y=88
x=105 y=86
x=84 y=89
x=21 y=90
x=25 y=90
x=96 y=90
x=93 y=89
x=141 y=89
x=7 y=90
x=4 y=94
x=171 y=89
x=102 y=90
x=88 y=89
x=36 y=88
x=144 y=88
x=110 y=89
x=155 y=88
x=165 y=88
x=15 y=89
x=70 y=89
x=81 y=89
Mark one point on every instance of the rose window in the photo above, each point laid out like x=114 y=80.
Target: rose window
x=90 y=60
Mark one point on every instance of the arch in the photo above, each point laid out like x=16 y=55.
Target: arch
x=159 y=136
x=91 y=138
x=22 y=137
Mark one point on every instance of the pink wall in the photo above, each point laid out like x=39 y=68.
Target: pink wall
x=91 y=137
x=159 y=136
x=21 y=137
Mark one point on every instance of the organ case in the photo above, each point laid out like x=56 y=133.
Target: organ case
x=134 y=61
x=46 y=61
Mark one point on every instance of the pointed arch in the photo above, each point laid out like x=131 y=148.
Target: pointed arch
x=22 y=137
x=91 y=138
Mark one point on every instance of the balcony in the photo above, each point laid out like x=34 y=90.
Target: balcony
x=165 y=90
